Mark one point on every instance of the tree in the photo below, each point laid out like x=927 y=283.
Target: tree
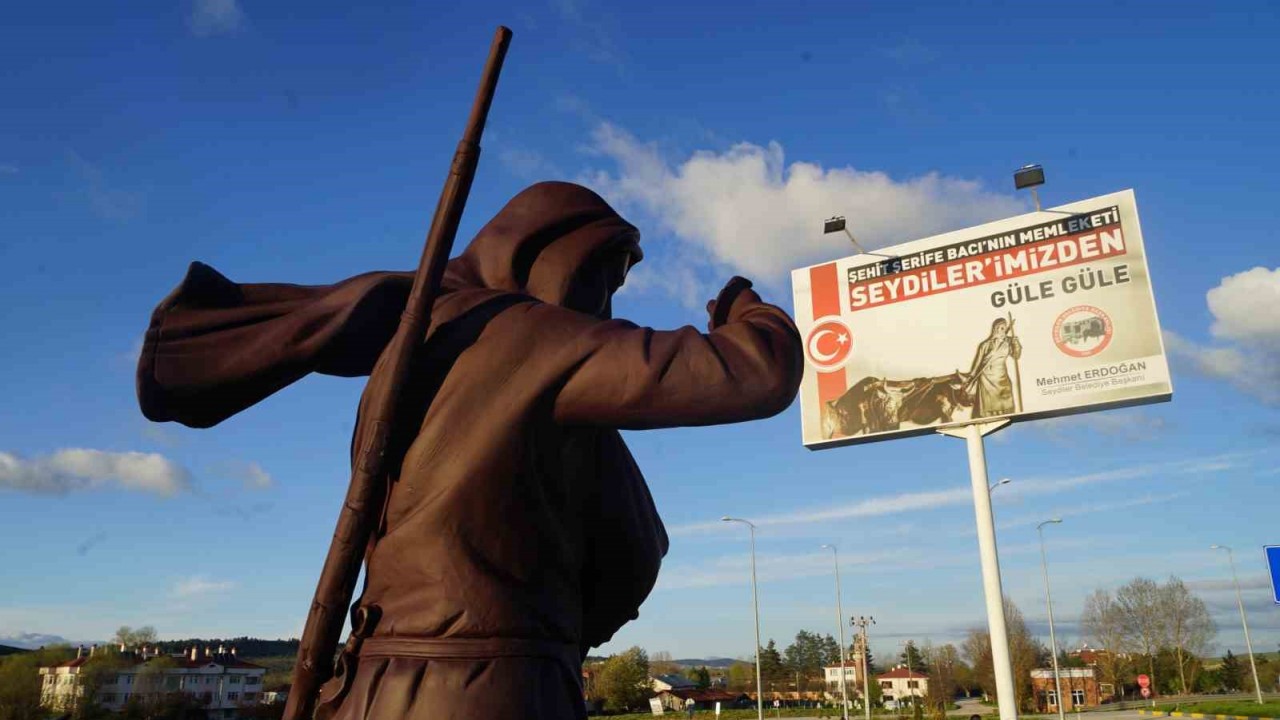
x=660 y=663
x=911 y=657
x=942 y=665
x=1103 y=624
x=1025 y=654
x=623 y=682
x=129 y=637
x=1189 y=625
x=1231 y=674
x=742 y=676
x=1143 y=622
x=772 y=668
x=20 y=681
x=702 y=677
x=805 y=657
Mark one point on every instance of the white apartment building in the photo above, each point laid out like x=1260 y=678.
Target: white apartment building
x=852 y=684
x=901 y=683
x=219 y=679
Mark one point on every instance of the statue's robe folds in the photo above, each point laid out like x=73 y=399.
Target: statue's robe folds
x=518 y=531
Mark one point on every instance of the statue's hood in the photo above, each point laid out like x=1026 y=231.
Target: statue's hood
x=539 y=242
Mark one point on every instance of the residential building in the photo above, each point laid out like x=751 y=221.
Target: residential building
x=663 y=683
x=853 y=685
x=677 y=700
x=221 y=681
x=1079 y=689
x=901 y=683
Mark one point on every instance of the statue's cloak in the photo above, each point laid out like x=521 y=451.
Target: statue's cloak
x=518 y=531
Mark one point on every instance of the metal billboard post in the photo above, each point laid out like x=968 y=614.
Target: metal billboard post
x=972 y=434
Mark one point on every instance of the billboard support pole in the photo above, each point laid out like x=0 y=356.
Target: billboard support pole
x=973 y=433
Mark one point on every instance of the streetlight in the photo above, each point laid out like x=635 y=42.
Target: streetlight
x=837 y=224
x=1257 y=688
x=844 y=694
x=863 y=621
x=1029 y=176
x=1005 y=481
x=755 y=602
x=1053 y=641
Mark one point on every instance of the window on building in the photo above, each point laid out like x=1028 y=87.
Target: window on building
x=233 y=696
x=1077 y=697
x=886 y=684
x=913 y=683
x=253 y=679
x=1051 y=698
x=235 y=679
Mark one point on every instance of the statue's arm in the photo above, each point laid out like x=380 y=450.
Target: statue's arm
x=636 y=378
x=215 y=347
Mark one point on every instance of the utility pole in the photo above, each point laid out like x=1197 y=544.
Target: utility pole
x=862 y=621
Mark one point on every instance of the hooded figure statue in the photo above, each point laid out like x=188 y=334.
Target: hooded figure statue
x=517 y=531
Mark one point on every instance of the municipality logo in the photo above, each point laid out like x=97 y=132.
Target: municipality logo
x=1082 y=331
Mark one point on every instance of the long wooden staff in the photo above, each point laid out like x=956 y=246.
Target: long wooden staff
x=1017 y=367
x=362 y=506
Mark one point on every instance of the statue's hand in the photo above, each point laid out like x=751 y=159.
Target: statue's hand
x=736 y=293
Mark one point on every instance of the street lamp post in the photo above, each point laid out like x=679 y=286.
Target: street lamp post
x=755 y=602
x=1053 y=640
x=844 y=694
x=1257 y=687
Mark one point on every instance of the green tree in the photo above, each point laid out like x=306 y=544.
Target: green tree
x=20 y=681
x=623 y=682
x=805 y=657
x=1230 y=673
x=911 y=657
x=742 y=676
x=702 y=677
x=772 y=669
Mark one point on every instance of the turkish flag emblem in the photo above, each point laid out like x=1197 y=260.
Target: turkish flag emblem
x=829 y=344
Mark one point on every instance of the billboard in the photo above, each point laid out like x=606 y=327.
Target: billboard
x=1038 y=315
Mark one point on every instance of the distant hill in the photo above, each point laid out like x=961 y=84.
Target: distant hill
x=10 y=650
x=714 y=662
x=707 y=662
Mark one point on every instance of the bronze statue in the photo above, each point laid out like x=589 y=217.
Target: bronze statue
x=517 y=531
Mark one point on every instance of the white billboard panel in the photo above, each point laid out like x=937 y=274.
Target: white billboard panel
x=1043 y=314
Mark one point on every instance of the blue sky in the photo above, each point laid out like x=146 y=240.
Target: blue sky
x=307 y=143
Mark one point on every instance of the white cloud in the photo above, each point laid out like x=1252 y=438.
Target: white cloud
x=253 y=476
x=1246 y=308
x=1246 y=322
x=1092 y=509
x=104 y=199
x=199 y=586
x=214 y=17
x=746 y=209
x=527 y=164
x=8 y=169
x=736 y=569
x=1131 y=424
x=82 y=469
x=932 y=499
